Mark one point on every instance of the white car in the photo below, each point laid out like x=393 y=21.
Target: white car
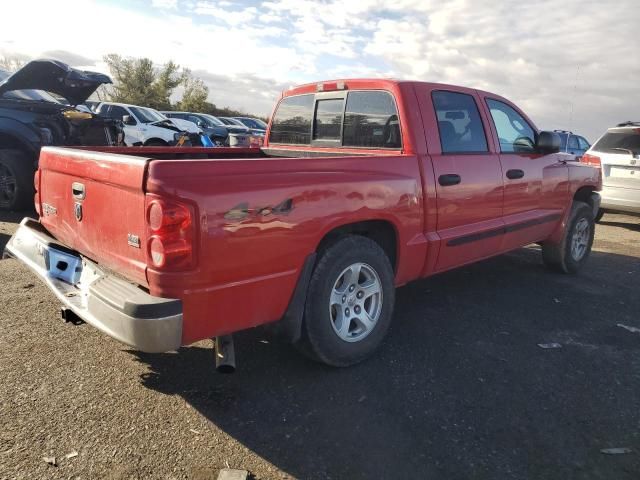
x=146 y=126
x=617 y=152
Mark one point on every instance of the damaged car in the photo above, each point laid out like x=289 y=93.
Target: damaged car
x=37 y=108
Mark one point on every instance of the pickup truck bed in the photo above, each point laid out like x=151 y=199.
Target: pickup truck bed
x=227 y=239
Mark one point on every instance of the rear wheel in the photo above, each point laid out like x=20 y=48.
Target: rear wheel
x=572 y=252
x=349 y=302
x=16 y=180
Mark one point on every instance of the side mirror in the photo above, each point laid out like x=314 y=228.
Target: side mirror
x=201 y=124
x=128 y=120
x=548 y=142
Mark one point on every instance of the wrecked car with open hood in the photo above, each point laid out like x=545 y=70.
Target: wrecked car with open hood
x=37 y=108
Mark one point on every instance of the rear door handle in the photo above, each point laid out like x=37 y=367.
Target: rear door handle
x=449 y=179
x=514 y=174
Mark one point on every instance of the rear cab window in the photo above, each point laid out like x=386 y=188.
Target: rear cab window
x=354 y=119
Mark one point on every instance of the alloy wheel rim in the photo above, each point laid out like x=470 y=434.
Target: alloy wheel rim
x=355 y=303
x=7 y=186
x=580 y=239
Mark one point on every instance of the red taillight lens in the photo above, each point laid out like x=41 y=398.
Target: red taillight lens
x=164 y=215
x=36 y=187
x=170 y=234
x=592 y=160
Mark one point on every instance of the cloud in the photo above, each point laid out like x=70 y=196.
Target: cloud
x=569 y=64
x=69 y=58
x=165 y=4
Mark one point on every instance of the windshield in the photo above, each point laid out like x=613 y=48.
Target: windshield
x=214 y=120
x=619 y=141
x=233 y=121
x=147 y=115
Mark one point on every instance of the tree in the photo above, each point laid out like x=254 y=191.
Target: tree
x=139 y=82
x=194 y=98
x=11 y=64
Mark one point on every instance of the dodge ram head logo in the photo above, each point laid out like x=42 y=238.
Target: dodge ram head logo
x=78 y=211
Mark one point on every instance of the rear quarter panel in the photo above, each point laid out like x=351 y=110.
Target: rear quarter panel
x=252 y=245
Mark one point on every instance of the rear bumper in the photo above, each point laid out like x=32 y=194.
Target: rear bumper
x=620 y=199
x=120 y=309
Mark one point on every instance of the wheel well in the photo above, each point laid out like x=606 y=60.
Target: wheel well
x=9 y=141
x=583 y=194
x=156 y=140
x=380 y=231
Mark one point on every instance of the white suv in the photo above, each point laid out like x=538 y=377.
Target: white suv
x=145 y=126
x=617 y=152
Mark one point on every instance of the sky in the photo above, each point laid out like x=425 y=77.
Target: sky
x=570 y=64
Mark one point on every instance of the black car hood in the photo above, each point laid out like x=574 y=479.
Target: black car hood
x=55 y=77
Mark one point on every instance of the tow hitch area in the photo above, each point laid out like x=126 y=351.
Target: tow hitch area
x=69 y=316
x=225 y=354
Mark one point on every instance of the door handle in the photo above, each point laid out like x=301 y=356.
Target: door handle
x=77 y=190
x=515 y=174
x=449 y=179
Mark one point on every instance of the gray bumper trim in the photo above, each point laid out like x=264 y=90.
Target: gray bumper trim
x=118 y=308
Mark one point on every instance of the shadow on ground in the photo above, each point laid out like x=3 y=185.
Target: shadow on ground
x=634 y=227
x=460 y=390
x=9 y=222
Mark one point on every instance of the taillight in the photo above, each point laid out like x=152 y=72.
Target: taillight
x=36 y=196
x=592 y=160
x=170 y=234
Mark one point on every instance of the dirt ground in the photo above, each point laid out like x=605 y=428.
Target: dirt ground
x=460 y=390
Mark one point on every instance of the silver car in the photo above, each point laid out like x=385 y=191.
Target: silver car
x=618 y=154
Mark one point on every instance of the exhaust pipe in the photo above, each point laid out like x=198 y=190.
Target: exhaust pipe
x=225 y=354
x=69 y=316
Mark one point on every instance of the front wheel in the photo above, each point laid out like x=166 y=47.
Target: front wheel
x=16 y=180
x=349 y=302
x=572 y=252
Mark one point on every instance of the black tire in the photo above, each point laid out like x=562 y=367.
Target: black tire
x=16 y=180
x=599 y=215
x=559 y=256
x=320 y=340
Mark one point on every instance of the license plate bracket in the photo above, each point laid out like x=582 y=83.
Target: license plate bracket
x=63 y=266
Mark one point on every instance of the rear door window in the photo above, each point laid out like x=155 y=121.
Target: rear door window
x=292 y=121
x=573 y=142
x=371 y=120
x=459 y=123
x=514 y=133
x=620 y=141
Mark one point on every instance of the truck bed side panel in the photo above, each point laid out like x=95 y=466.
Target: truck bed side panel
x=260 y=219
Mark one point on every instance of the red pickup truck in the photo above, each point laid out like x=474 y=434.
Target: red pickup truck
x=361 y=186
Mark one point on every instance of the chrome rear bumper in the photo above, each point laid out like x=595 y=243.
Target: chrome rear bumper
x=120 y=309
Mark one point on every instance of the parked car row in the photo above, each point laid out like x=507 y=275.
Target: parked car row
x=46 y=103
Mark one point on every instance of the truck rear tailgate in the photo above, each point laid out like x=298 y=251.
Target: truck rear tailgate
x=94 y=203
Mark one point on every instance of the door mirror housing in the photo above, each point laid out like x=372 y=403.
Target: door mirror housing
x=128 y=120
x=548 y=142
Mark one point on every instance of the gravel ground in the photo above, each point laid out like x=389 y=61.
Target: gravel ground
x=459 y=391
